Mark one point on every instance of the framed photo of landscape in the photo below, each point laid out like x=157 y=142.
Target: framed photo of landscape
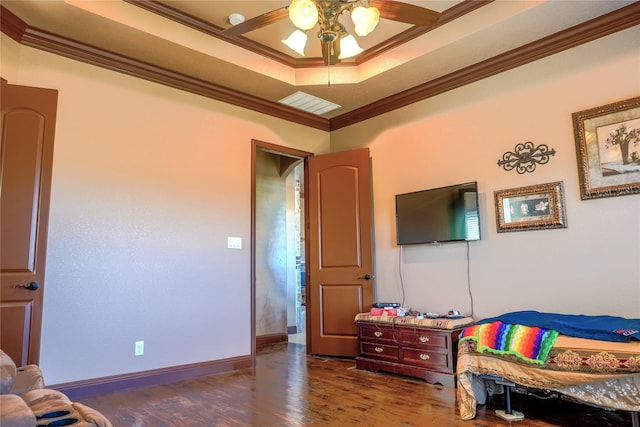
x=531 y=208
x=608 y=149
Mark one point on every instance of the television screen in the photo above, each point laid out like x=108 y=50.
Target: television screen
x=443 y=214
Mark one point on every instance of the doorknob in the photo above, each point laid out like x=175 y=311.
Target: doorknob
x=366 y=277
x=31 y=286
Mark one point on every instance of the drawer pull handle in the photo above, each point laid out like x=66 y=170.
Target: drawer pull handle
x=378 y=334
x=378 y=350
x=424 y=339
x=424 y=356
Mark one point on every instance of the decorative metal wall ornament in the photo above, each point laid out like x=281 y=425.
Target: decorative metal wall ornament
x=525 y=157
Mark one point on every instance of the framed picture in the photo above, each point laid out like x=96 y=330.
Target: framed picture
x=608 y=149
x=531 y=208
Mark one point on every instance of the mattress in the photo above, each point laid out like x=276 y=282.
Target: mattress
x=602 y=373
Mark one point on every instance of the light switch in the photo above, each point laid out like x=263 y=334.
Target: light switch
x=234 y=242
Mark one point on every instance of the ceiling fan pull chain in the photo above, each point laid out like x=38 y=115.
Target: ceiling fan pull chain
x=329 y=48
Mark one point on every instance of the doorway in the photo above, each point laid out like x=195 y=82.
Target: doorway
x=337 y=243
x=279 y=254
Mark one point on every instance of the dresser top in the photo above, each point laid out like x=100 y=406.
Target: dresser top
x=439 y=323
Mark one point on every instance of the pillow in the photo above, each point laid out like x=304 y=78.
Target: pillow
x=7 y=372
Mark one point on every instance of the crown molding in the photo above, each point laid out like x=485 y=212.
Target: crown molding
x=602 y=26
x=11 y=25
x=43 y=40
x=454 y=12
x=212 y=30
x=198 y=24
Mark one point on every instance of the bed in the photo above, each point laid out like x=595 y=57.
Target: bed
x=591 y=359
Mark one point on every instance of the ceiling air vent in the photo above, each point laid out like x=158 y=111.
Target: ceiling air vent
x=309 y=103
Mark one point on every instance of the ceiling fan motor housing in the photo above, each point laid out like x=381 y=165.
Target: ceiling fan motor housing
x=328 y=36
x=329 y=12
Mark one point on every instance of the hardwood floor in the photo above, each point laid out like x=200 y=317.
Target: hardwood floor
x=289 y=388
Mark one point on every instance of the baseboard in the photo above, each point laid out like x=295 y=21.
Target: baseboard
x=80 y=389
x=263 y=340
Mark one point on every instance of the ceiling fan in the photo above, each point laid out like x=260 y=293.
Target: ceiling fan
x=306 y=14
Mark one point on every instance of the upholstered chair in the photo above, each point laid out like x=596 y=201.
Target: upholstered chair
x=25 y=402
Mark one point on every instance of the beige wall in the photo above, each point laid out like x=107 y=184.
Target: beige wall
x=591 y=267
x=149 y=182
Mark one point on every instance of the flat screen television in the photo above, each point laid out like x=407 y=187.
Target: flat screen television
x=445 y=214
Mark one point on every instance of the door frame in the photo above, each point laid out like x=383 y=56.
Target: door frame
x=295 y=156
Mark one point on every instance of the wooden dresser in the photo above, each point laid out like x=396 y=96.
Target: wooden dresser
x=409 y=349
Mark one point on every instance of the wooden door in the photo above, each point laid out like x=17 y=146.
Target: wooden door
x=340 y=250
x=28 y=127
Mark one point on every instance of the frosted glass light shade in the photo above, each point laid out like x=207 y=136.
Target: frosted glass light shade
x=349 y=47
x=297 y=41
x=365 y=19
x=303 y=14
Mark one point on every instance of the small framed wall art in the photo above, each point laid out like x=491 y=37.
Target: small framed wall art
x=531 y=208
x=608 y=149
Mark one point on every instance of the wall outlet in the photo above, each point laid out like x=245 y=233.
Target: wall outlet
x=139 y=351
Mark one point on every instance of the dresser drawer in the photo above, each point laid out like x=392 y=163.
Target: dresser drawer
x=379 y=333
x=427 y=359
x=426 y=338
x=380 y=351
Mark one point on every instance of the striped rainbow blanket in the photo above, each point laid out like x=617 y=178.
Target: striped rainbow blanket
x=529 y=343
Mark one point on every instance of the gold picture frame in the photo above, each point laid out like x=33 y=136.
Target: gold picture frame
x=536 y=207
x=608 y=149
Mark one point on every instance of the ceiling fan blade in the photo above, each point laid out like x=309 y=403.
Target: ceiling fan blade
x=257 y=22
x=331 y=51
x=405 y=12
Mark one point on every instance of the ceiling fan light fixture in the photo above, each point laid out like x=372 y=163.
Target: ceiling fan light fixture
x=349 y=47
x=297 y=41
x=365 y=19
x=303 y=14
